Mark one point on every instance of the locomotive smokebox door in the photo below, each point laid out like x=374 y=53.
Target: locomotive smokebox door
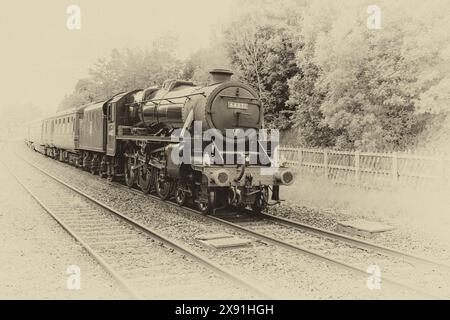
x=233 y=105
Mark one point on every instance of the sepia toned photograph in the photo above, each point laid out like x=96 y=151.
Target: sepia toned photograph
x=225 y=154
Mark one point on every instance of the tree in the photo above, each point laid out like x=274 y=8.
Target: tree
x=362 y=88
x=263 y=51
x=126 y=70
x=197 y=66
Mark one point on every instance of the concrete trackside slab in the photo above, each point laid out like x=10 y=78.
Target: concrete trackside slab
x=363 y=228
x=212 y=236
x=225 y=243
x=222 y=240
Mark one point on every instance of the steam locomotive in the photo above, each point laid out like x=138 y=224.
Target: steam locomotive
x=174 y=141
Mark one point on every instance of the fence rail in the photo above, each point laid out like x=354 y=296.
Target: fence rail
x=370 y=169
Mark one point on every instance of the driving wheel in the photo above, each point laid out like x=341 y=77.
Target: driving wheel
x=163 y=186
x=181 y=195
x=205 y=206
x=130 y=175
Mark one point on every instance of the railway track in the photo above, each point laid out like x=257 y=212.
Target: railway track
x=269 y=230
x=357 y=243
x=145 y=263
x=351 y=241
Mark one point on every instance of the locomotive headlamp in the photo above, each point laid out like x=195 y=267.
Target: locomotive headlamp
x=221 y=178
x=285 y=177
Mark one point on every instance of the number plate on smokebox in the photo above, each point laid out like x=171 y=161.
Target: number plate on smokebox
x=237 y=105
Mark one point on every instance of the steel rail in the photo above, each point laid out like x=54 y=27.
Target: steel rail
x=287 y=245
x=281 y=243
x=85 y=245
x=179 y=247
x=338 y=263
x=362 y=273
x=356 y=242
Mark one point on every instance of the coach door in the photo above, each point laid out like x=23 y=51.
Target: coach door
x=111 y=129
x=52 y=131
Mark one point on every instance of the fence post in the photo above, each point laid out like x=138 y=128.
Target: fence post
x=299 y=156
x=357 y=167
x=325 y=163
x=394 y=167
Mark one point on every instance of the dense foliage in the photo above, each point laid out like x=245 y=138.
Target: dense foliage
x=126 y=70
x=319 y=70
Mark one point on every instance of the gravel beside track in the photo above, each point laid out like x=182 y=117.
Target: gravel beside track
x=286 y=274
x=403 y=239
x=36 y=253
x=430 y=279
x=147 y=268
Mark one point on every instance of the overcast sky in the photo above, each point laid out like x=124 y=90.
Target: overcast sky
x=41 y=59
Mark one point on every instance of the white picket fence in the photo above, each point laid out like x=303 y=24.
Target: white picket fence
x=370 y=169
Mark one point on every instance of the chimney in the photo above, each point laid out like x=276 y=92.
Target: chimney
x=220 y=75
